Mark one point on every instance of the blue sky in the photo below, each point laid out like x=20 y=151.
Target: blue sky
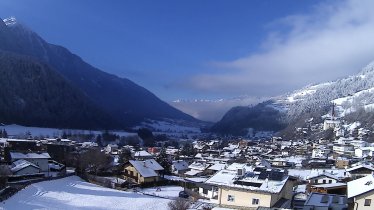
x=209 y=49
x=158 y=44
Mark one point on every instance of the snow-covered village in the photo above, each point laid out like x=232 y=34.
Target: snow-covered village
x=187 y=105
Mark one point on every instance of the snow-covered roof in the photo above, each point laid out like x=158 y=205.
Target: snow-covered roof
x=21 y=164
x=252 y=182
x=331 y=185
x=325 y=174
x=142 y=154
x=31 y=155
x=251 y=179
x=360 y=166
x=146 y=168
x=198 y=166
x=235 y=166
x=193 y=172
x=360 y=186
x=180 y=165
x=304 y=174
x=217 y=166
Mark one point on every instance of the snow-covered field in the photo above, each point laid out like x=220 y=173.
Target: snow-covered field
x=74 y=193
x=19 y=130
x=164 y=191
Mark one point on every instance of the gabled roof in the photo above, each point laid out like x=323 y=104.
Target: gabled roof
x=31 y=155
x=146 y=168
x=360 y=186
x=218 y=166
x=180 y=165
x=142 y=154
x=329 y=175
x=359 y=167
x=21 y=164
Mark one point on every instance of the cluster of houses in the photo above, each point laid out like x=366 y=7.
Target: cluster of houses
x=25 y=160
x=303 y=173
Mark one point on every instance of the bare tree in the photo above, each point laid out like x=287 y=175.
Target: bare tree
x=179 y=204
x=92 y=161
x=4 y=173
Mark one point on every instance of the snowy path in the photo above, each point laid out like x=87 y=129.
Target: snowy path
x=73 y=193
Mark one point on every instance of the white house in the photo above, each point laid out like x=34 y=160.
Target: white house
x=324 y=178
x=362 y=152
x=24 y=167
x=331 y=124
x=361 y=192
x=179 y=167
x=39 y=159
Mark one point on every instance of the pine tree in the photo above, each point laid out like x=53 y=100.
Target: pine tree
x=164 y=161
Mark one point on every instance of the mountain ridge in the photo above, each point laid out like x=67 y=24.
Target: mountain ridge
x=313 y=101
x=28 y=90
x=125 y=101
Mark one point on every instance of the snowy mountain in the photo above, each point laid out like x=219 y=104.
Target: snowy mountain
x=125 y=102
x=353 y=94
x=212 y=110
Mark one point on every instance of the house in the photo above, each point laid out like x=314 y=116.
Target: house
x=360 y=171
x=361 y=193
x=197 y=169
x=24 y=167
x=111 y=148
x=331 y=124
x=39 y=159
x=217 y=167
x=323 y=178
x=343 y=149
x=213 y=144
x=141 y=155
x=142 y=172
x=179 y=167
x=251 y=188
x=322 y=201
x=363 y=152
x=342 y=162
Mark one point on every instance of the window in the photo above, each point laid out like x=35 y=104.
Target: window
x=316 y=181
x=205 y=191
x=367 y=202
x=231 y=198
x=324 y=181
x=255 y=201
x=330 y=181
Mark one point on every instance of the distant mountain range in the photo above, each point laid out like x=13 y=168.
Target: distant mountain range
x=66 y=91
x=213 y=110
x=353 y=97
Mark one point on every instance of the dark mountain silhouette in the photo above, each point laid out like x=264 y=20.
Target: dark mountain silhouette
x=124 y=101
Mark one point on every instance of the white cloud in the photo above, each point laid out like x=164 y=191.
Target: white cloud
x=334 y=40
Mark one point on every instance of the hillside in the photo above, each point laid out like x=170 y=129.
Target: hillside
x=31 y=93
x=125 y=101
x=353 y=95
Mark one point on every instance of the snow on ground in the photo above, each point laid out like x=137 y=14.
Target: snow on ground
x=169 y=127
x=74 y=193
x=164 y=191
x=19 y=130
x=348 y=104
x=300 y=94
